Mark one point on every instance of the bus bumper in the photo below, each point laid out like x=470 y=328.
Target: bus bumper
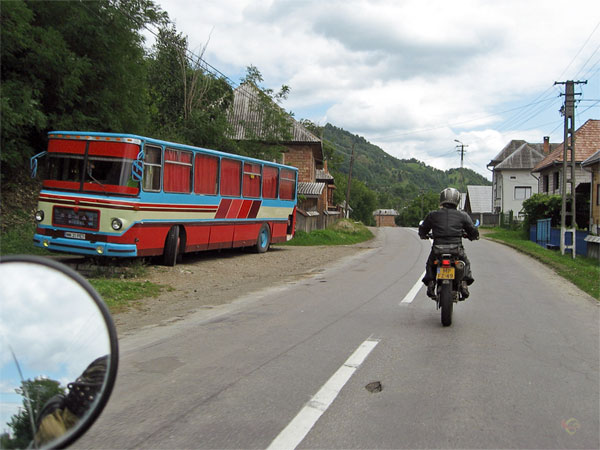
x=59 y=244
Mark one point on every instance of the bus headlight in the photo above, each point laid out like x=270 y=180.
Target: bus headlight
x=99 y=250
x=39 y=216
x=45 y=243
x=116 y=224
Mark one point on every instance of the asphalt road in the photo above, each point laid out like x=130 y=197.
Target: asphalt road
x=519 y=367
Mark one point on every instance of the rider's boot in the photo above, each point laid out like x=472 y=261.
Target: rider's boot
x=464 y=290
x=431 y=289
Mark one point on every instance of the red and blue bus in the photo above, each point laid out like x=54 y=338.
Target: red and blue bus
x=120 y=195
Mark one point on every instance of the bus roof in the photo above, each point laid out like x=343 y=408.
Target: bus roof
x=92 y=135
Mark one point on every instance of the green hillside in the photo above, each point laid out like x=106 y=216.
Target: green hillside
x=407 y=185
x=403 y=178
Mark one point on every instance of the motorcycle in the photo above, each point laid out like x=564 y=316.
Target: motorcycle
x=450 y=271
x=449 y=276
x=59 y=353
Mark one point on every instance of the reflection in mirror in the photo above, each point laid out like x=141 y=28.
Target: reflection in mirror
x=55 y=354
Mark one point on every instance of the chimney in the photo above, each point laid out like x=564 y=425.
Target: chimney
x=546 y=145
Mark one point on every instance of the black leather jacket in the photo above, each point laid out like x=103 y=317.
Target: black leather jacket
x=447 y=225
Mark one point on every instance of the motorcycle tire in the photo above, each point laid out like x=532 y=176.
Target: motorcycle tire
x=446 y=303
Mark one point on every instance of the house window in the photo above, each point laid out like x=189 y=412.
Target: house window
x=556 y=176
x=522 y=192
x=545 y=183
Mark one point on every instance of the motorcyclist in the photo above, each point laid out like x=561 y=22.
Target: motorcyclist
x=448 y=225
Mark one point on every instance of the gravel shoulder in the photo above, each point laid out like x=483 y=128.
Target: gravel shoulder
x=207 y=280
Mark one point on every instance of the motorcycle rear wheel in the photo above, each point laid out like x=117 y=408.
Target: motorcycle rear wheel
x=446 y=303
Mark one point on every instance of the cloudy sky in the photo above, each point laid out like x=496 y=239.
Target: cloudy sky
x=411 y=76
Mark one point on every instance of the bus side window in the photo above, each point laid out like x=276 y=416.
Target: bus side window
x=178 y=171
x=152 y=168
x=206 y=172
x=287 y=185
x=270 y=181
x=231 y=177
x=252 y=178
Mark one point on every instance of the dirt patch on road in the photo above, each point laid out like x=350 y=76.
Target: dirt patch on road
x=206 y=280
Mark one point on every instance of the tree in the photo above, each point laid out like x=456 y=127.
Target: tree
x=71 y=66
x=418 y=208
x=270 y=125
x=363 y=200
x=188 y=104
x=39 y=391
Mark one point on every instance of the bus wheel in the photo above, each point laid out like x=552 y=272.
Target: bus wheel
x=264 y=239
x=172 y=245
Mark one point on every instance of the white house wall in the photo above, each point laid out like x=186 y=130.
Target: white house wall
x=511 y=179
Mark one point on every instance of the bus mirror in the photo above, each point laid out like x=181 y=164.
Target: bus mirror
x=137 y=168
x=58 y=343
x=33 y=163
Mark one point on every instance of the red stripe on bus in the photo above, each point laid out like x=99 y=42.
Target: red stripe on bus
x=125 y=205
x=66 y=146
x=223 y=208
x=254 y=210
x=61 y=184
x=110 y=188
x=234 y=209
x=116 y=149
x=244 y=209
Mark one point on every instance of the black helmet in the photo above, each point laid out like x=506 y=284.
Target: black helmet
x=450 y=196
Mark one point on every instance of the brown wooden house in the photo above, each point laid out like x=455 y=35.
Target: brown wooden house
x=303 y=150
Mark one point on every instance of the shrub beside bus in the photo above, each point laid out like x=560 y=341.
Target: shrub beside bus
x=119 y=195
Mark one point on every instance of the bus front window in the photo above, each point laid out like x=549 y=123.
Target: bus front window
x=109 y=175
x=107 y=170
x=64 y=168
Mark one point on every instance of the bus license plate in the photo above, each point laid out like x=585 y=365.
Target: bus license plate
x=445 y=273
x=69 y=234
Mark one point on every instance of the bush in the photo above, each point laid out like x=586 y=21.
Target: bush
x=542 y=206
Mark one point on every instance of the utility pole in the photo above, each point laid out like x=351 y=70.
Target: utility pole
x=568 y=208
x=462 y=159
x=349 y=180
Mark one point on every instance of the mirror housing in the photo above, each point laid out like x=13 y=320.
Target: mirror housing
x=59 y=351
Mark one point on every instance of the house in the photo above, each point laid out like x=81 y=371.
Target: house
x=512 y=181
x=478 y=204
x=550 y=169
x=303 y=150
x=592 y=164
x=385 y=217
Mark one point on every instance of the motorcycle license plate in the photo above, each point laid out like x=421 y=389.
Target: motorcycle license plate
x=445 y=273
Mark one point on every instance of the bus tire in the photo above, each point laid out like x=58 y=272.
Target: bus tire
x=263 y=241
x=172 y=246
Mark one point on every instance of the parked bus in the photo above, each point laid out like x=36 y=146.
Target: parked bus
x=118 y=195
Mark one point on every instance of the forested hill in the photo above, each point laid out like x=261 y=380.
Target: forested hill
x=400 y=178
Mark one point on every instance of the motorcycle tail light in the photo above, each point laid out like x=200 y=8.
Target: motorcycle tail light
x=445 y=262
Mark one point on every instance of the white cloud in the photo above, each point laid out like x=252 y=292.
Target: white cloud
x=385 y=68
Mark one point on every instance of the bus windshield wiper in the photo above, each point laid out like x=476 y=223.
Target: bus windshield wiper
x=95 y=180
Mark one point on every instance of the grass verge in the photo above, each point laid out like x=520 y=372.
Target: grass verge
x=120 y=295
x=582 y=272
x=344 y=232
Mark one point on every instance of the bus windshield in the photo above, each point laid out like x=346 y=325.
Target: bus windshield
x=105 y=174
x=82 y=165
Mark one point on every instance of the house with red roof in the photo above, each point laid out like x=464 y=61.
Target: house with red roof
x=550 y=169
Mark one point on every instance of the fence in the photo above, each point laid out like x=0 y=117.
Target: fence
x=546 y=236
